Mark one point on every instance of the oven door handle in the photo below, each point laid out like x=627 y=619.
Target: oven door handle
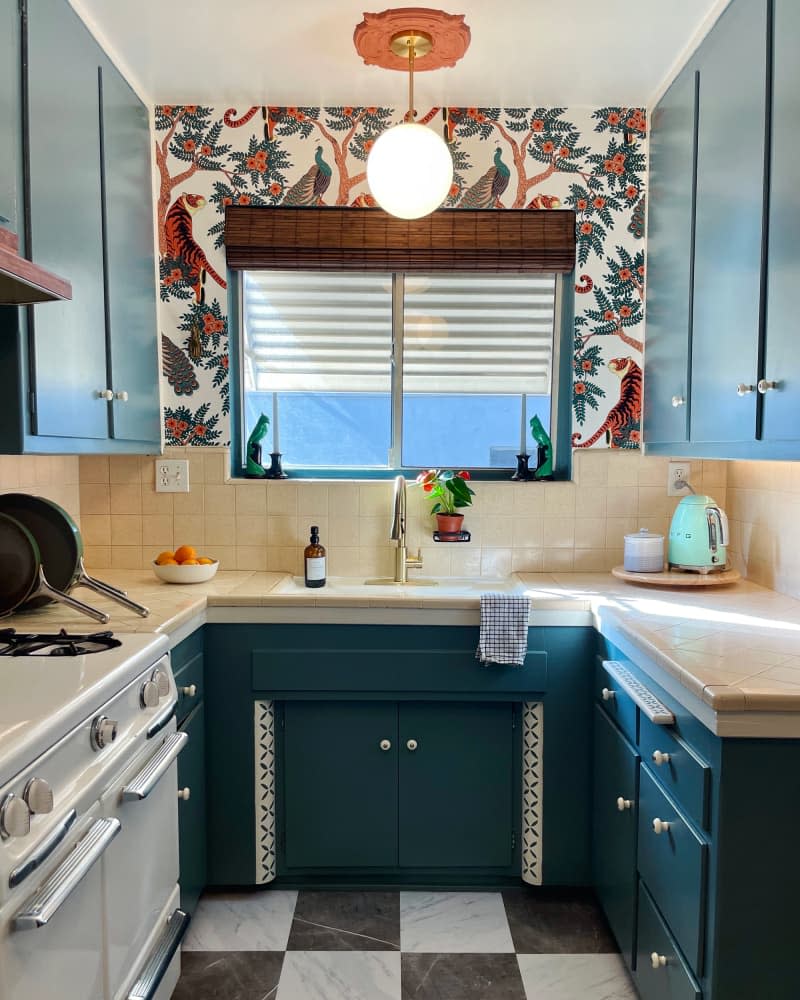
x=51 y=896
x=139 y=788
x=43 y=851
x=146 y=986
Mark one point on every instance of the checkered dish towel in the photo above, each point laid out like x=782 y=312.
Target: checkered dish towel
x=504 y=629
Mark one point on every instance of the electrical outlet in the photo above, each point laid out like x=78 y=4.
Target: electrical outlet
x=678 y=471
x=172 y=475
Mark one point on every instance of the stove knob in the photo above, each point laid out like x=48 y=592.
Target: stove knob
x=148 y=696
x=15 y=817
x=103 y=732
x=161 y=679
x=39 y=796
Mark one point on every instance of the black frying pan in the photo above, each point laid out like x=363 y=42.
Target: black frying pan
x=22 y=576
x=60 y=546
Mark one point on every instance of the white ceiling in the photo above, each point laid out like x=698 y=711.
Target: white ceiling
x=523 y=52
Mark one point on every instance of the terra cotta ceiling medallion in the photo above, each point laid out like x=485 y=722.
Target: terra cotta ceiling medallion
x=380 y=38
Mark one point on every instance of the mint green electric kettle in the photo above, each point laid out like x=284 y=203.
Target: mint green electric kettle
x=698 y=536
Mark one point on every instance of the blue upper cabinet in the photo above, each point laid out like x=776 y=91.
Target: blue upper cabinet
x=781 y=415
x=68 y=338
x=729 y=225
x=130 y=264
x=9 y=112
x=669 y=261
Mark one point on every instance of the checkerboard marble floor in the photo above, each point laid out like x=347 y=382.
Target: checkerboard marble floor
x=515 y=945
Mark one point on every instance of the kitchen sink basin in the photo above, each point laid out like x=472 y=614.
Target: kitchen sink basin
x=345 y=586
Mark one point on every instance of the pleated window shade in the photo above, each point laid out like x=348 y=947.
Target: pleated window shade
x=357 y=239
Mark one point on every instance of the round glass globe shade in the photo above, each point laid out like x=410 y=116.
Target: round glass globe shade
x=409 y=171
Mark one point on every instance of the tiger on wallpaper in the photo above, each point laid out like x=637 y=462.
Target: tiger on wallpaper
x=182 y=246
x=626 y=411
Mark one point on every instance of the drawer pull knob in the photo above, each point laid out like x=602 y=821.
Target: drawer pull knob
x=658 y=961
x=385 y=744
x=660 y=758
x=660 y=825
x=623 y=804
x=412 y=744
x=184 y=794
x=608 y=694
x=190 y=690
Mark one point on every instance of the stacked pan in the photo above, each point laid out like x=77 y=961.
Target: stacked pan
x=41 y=559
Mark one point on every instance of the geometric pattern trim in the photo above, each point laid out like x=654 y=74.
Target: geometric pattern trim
x=265 y=791
x=656 y=711
x=532 y=765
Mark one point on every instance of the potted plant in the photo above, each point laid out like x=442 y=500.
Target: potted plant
x=448 y=490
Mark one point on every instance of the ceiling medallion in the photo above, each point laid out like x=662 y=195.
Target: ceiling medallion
x=375 y=36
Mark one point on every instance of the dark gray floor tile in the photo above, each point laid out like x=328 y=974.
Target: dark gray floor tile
x=229 y=975
x=346 y=921
x=556 y=922
x=460 y=977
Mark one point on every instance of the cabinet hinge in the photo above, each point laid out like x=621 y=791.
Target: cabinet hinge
x=32 y=402
x=23 y=7
x=513 y=840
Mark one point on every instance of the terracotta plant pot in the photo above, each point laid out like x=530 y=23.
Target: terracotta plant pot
x=449 y=522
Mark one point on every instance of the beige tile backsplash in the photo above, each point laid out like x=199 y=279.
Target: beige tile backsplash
x=53 y=476
x=264 y=525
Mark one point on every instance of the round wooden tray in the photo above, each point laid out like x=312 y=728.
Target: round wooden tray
x=678 y=578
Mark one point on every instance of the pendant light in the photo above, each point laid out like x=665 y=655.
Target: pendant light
x=409 y=168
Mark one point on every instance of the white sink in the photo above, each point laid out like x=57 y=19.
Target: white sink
x=347 y=586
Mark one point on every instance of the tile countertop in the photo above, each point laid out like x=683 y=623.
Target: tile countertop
x=734 y=650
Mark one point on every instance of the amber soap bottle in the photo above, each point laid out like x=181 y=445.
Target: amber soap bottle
x=314 y=558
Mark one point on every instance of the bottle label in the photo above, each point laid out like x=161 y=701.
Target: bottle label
x=315 y=568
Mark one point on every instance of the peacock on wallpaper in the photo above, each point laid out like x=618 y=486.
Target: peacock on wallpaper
x=590 y=160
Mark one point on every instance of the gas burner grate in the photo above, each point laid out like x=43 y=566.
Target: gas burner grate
x=61 y=643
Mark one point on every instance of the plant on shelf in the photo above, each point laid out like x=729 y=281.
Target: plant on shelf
x=448 y=491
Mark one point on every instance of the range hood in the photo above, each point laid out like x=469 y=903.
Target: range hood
x=22 y=282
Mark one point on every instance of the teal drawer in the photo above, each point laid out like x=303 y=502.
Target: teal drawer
x=432 y=671
x=617 y=704
x=672 y=864
x=189 y=681
x=656 y=980
x=680 y=770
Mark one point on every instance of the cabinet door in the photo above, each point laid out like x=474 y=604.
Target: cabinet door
x=616 y=776
x=340 y=785
x=69 y=354
x=729 y=224
x=670 y=235
x=192 y=811
x=9 y=111
x=130 y=273
x=456 y=785
x=782 y=365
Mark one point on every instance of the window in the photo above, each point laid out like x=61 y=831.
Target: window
x=386 y=371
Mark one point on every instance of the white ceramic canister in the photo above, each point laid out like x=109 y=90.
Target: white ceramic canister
x=644 y=552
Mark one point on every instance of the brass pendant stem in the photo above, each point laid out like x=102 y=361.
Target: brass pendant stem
x=411 y=54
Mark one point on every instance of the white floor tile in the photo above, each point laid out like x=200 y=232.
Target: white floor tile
x=242 y=921
x=569 y=977
x=451 y=922
x=340 y=975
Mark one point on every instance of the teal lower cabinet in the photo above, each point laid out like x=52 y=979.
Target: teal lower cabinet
x=661 y=972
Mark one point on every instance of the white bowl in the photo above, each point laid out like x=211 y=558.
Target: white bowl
x=186 y=574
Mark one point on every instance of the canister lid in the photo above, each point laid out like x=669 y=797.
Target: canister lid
x=644 y=533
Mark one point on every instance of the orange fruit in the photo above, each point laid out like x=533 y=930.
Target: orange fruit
x=165 y=557
x=185 y=552
x=205 y=561
x=168 y=562
x=190 y=562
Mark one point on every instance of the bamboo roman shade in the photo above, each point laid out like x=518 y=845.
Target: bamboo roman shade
x=368 y=239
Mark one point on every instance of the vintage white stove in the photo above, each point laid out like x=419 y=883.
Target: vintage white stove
x=88 y=818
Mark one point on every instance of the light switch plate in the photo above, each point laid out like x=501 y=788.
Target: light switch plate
x=172 y=475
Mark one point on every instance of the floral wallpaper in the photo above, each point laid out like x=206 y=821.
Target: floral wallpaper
x=590 y=160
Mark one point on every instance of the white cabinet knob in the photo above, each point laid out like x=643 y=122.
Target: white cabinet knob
x=385 y=744
x=678 y=401
x=623 y=804
x=660 y=825
x=658 y=961
x=190 y=690
x=765 y=386
x=660 y=758
x=608 y=694
x=122 y=396
x=742 y=389
x=184 y=794
x=412 y=744
x=106 y=394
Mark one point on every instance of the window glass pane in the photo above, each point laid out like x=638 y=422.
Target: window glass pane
x=474 y=345
x=323 y=342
